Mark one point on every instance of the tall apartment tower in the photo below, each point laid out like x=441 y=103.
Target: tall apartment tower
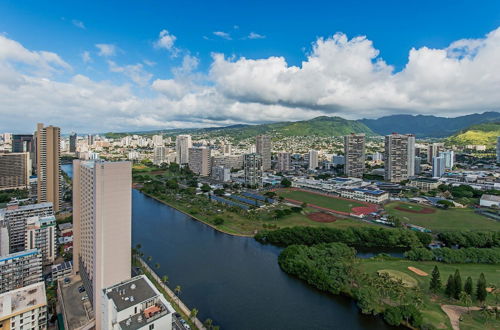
x=252 y=165
x=182 y=145
x=313 y=159
x=449 y=158
x=263 y=148
x=199 y=161
x=283 y=163
x=399 y=160
x=438 y=166
x=48 y=140
x=101 y=225
x=433 y=151
x=41 y=235
x=15 y=169
x=72 y=142
x=354 y=151
x=159 y=155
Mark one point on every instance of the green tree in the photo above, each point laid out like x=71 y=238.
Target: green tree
x=193 y=314
x=150 y=258
x=177 y=291
x=435 y=285
x=458 y=284
x=392 y=315
x=205 y=188
x=481 y=292
x=286 y=183
x=208 y=323
x=468 y=287
x=466 y=300
x=450 y=286
x=157 y=265
x=164 y=279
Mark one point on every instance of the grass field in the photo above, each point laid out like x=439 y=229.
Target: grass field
x=442 y=220
x=320 y=200
x=431 y=310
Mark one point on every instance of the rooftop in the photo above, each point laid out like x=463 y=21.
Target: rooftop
x=77 y=312
x=66 y=225
x=491 y=198
x=22 y=299
x=130 y=293
x=19 y=255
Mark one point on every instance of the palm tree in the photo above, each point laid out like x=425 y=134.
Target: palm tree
x=177 y=291
x=193 y=314
x=157 y=265
x=208 y=323
x=164 y=279
x=150 y=258
x=138 y=246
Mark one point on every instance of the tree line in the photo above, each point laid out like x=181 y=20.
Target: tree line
x=352 y=236
x=478 y=239
x=456 y=256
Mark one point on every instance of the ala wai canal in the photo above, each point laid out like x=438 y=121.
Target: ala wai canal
x=233 y=280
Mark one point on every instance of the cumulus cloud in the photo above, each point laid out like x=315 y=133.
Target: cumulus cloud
x=254 y=35
x=222 y=34
x=166 y=40
x=339 y=76
x=78 y=24
x=106 y=50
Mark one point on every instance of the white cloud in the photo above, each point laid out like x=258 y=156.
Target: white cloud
x=78 y=24
x=340 y=76
x=223 y=35
x=86 y=58
x=106 y=50
x=254 y=35
x=135 y=72
x=167 y=40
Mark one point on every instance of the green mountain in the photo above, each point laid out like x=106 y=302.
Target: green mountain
x=321 y=126
x=428 y=126
x=482 y=134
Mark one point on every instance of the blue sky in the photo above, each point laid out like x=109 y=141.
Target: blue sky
x=286 y=29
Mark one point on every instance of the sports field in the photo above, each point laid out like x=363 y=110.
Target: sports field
x=337 y=204
x=440 y=220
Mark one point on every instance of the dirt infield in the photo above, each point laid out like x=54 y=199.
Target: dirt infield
x=418 y=271
x=363 y=210
x=321 y=217
x=425 y=210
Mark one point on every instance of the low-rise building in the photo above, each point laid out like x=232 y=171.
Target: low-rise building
x=366 y=195
x=24 y=308
x=62 y=270
x=490 y=200
x=135 y=304
x=424 y=184
x=20 y=269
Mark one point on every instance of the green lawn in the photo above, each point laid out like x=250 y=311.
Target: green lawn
x=431 y=310
x=320 y=200
x=443 y=220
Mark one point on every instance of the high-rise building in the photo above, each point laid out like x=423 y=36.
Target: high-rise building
x=15 y=217
x=135 y=304
x=229 y=161
x=24 y=308
x=23 y=143
x=48 y=165
x=157 y=140
x=399 y=157
x=182 y=145
x=433 y=151
x=90 y=140
x=20 y=269
x=221 y=173
x=101 y=225
x=263 y=148
x=449 y=158
x=15 y=170
x=41 y=235
x=283 y=163
x=438 y=166
x=199 y=161
x=418 y=165
x=354 y=152
x=72 y=142
x=252 y=165
x=159 y=155
x=313 y=159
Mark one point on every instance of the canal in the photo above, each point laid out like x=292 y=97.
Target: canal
x=234 y=281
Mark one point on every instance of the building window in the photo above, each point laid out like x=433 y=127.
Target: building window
x=151 y=326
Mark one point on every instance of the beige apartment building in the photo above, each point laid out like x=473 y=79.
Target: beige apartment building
x=199 y=161
x=354 y=153
x=101 y=226
x=48 y=140
x=14 y=170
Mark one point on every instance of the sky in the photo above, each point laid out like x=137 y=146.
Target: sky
x=99 y=66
